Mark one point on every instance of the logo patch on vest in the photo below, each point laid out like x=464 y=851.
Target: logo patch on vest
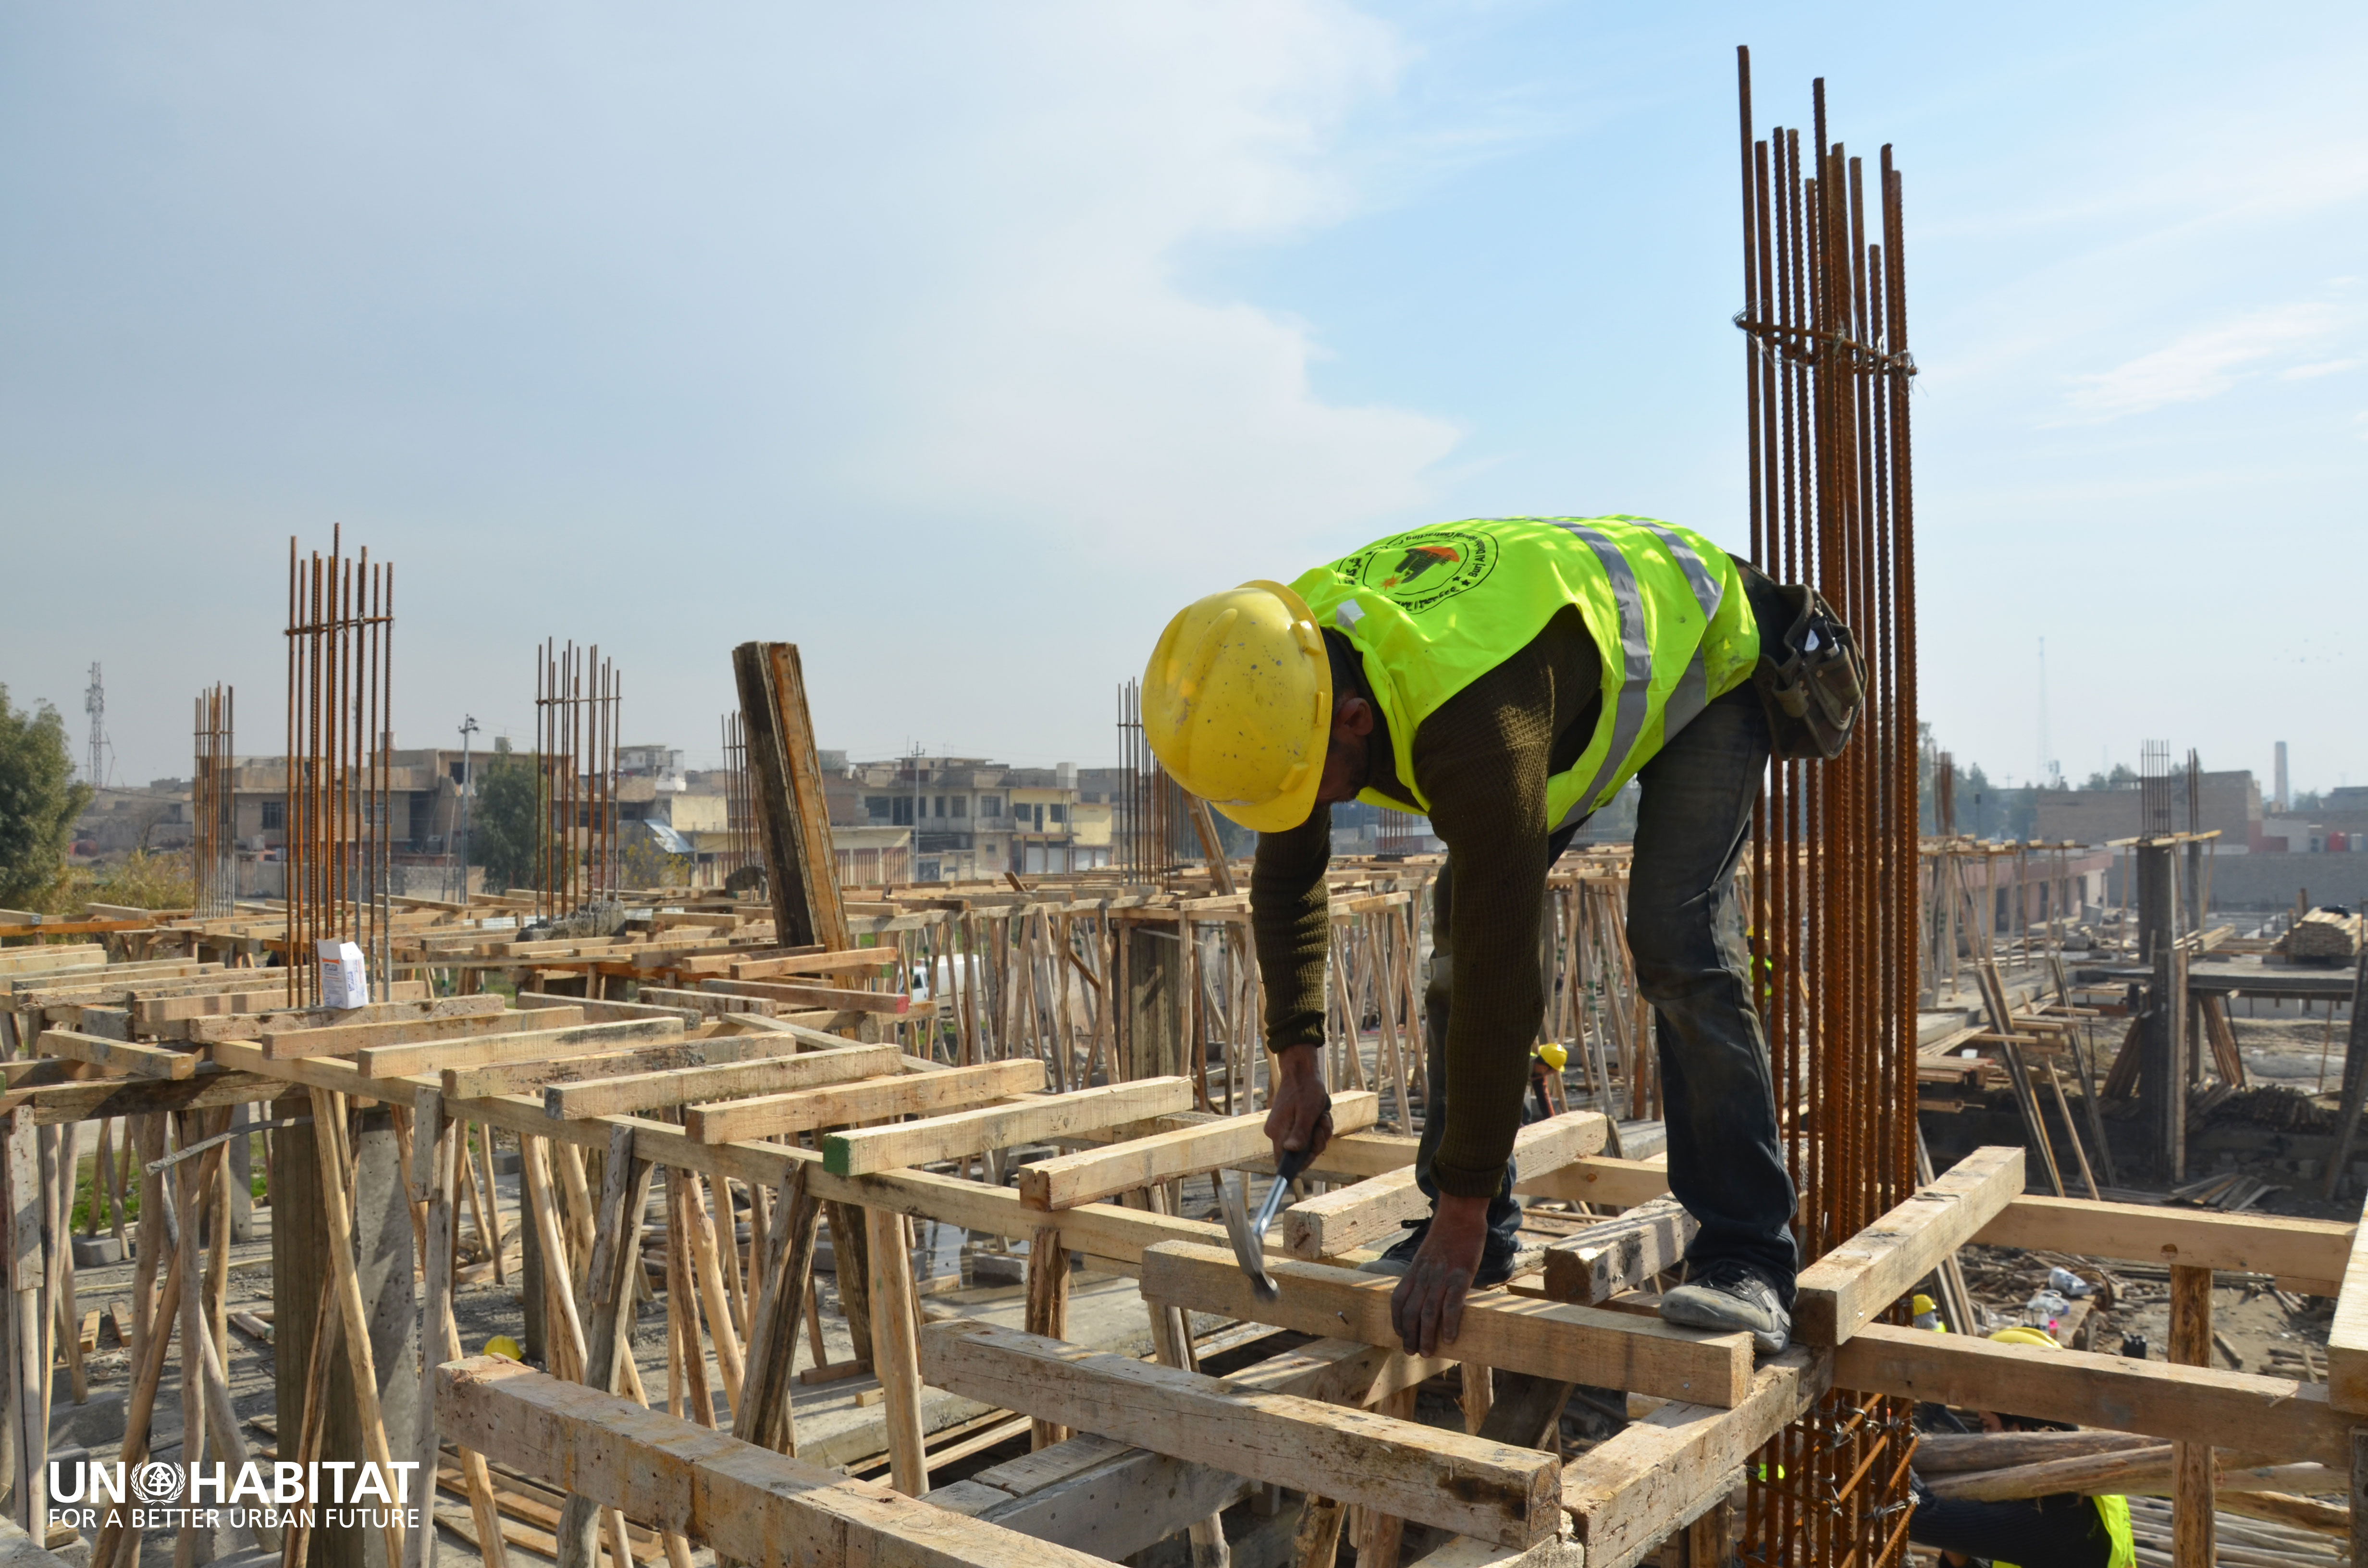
x=1426 y=567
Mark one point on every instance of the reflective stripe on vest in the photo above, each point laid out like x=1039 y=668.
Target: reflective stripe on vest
x=1431 y=610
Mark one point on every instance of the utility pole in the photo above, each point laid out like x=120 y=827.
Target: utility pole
x=461 y=855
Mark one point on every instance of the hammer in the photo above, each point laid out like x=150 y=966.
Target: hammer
x=1248 y=1234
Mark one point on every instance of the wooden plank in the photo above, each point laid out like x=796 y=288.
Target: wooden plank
x=997 y=1127
x=1602 y=1179
x=1633 y=1490
x=121 y=1057
x=2306 y=1254
x=524 y=1077
x=728 y=1080
x=2191 y=1345
x=744 y=1501
x=916 y=1094
x=272 y=1004
x=584 y=1040
x=802 y=870
x=798 y=996
x=1843 y=1290
x=597 y=1011
x=1081 y=1177
x=343 y=1040
x=2347 y=1336
x=56 y=1103
x=2234 y=1410
x=1493 y=1491
x=848 y=961
x=1349 y=1217
x=1621 y=1254
x=1521 y=1334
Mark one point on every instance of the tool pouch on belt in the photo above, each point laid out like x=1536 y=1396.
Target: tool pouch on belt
x=1811 y=679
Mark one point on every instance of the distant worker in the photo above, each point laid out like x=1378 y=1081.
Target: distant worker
x=1506 y=677
x=2066 y=1530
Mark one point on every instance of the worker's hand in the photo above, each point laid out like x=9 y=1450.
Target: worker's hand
x=1299 y=1114
x=1427 y=1309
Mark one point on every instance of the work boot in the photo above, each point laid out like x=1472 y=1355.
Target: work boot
x=1496 y=1256
x=1727 y=1297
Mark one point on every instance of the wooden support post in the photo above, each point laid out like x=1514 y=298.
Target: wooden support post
x=437 y=1155
x=2360 y=1495
x=763 y=1416
x=328 y=1120
x=1048 y=1311
x=2191 y=1345
x=625 y=1182
x=802 y=870
x=1171 y=1341
x=896 y=1356
x=28 y=1368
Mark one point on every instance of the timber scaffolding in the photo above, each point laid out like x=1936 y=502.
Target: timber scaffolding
x=1083 y=1057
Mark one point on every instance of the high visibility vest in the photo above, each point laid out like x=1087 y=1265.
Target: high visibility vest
x=1432 y=610
x=2114 y=1511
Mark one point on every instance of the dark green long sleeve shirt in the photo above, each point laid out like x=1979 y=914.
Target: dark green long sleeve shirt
x=1482 y=760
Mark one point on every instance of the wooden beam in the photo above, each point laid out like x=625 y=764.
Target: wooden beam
x=798 y=996
x=1619 y=1254
x=998 y=1127
x=2275 y=1417
x=724 y=1080
x=802 y=870
x=1634 y=1489
x=1843 y=1290
x=848 y=961
x=55 y=1103
x=2306 y=1254
x=1349 y=1217
x=344 y=1039
x=1500 y=1494
x=273 y=1006
x=2347 y=1336
x=584 y=1040
x=1602 y=1179
x=1521 y=1334
x=1070 y=1180
x=118 y=1056
x=744 y=1501
x=916 y=1094
x=523 y=1077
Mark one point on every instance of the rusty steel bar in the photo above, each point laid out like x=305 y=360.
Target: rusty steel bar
x=578 y=856
x=336 y=787
x=213 y=850
x=1834 y=894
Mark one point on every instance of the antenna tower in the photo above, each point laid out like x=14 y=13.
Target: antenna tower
x=93 y=702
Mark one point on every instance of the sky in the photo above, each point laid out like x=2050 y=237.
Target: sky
x=961 y=344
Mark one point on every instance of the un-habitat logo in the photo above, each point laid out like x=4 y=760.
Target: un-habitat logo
x=156 y=1495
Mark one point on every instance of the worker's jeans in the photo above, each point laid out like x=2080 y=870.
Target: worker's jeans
x=1686 y=932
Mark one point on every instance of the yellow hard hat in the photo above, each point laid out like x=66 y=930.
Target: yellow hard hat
x=1238 y=704
x=1922 y=1304
x=1552 y=1054
x=508 y=1349
x=2019 y=1335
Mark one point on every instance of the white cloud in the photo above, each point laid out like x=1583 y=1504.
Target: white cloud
x=2207 y=363
x=2323 y=367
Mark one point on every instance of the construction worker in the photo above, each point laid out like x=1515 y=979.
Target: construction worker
x=1506 y=677
x=2065 y=1530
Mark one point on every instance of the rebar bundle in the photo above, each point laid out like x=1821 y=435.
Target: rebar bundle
x=213 y=845
x=1153 y=828
x=576 y=693
x=741 y=850
x=1835 y=852
x=338 y=787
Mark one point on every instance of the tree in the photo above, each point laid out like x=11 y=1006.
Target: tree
x=504 y=826
x=38 y=800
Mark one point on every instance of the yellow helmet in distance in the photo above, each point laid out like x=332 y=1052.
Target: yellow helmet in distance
x=509 y=1350
x=1553 y=1053
x=1238 y=704
x=2019 y=1335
